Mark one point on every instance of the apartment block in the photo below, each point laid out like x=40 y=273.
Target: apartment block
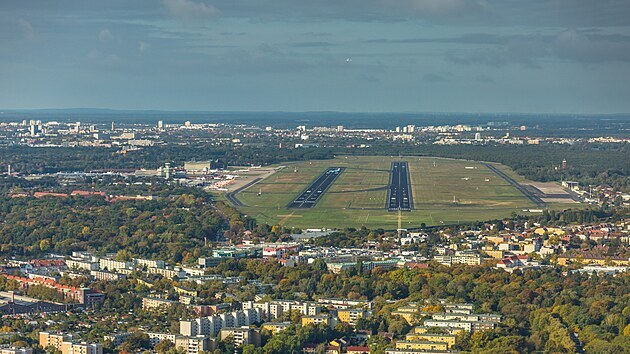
x=351 y=316
x=81 y=264
x=113 y=265
x=242 y=335
x=48 y=339
x=15 y=350
x=81 y=348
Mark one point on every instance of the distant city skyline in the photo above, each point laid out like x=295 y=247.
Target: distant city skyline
x=562 y=56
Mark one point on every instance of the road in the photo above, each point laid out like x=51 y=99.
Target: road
x=313 y=193
x=399 y=193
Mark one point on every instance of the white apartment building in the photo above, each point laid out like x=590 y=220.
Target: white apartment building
x=81 y=264
x=149 y=263
x=113 y=265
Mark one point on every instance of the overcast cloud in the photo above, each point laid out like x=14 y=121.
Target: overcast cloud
x=295 y=55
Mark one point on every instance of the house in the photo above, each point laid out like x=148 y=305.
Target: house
x=357 y=350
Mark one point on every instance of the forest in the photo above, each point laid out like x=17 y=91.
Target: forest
x=588 y=163
x=170 y=228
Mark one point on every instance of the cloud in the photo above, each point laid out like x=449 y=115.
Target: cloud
x=446 y=7
x=143 y=47
x=433 y=78
x=27 y=29
x=370 y=78
x=586 y=47
x=105 y=35
x=261 y=60
x=190 y=10
x=311 y=44
x=109 y=60
x=581 y=47
x=470 y=38
x=357 y=10
x=485 y=79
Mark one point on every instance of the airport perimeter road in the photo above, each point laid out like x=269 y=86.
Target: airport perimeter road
x=311 y=195
x=399 y=193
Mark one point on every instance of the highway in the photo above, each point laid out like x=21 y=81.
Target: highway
x=312 y=194
x=399 y=193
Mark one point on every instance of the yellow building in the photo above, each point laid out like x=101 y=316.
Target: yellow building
x=63 y=343
x=55 y=340
x=276 y=327
x=145 y=283
x=427 y=337
x=351 y=316
x=497 y=254
x=184 y=291
x=81 y=348
x=550 y=231
x=317 y=320
x=153 y=303
x=420 y=329
x=425 y=329
x=403 y=344
x=618 y=261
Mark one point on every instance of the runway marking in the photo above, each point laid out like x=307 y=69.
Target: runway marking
x=399 y=195
x=309 y=197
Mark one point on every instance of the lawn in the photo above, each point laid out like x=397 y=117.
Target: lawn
x=444 y=191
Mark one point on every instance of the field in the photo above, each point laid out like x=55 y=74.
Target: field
x=444 y=191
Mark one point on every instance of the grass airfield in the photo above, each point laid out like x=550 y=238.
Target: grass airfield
x=445 y=191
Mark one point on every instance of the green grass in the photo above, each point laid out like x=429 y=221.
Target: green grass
x=357 y=198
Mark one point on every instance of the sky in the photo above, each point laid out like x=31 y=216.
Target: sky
x=529 y=56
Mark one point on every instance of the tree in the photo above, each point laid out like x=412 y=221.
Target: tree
x=135 y=341
x=164 y=346
x=44 y=245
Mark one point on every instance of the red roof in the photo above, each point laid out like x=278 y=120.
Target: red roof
x=48 y=262
x=49 y=194
x=413 y=265
x=87 y=193
x=358 y=349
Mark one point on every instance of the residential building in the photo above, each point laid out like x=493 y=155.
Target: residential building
x=357 y=350
x=153 y=303
x=149 y=263
x=194 y=345
x=403 y=344
x=81 y=264
x=242 y=335
x=15 y=350
x=103 y=275
x=276 y=327
x=156 y=337
x=48 y=339
x=319 y=319
x=114 y=265
x=429 y=337
x=351 y=316
x=81 y=348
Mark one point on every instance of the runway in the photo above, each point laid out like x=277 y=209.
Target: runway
x=399 y=195
x=313 y=193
